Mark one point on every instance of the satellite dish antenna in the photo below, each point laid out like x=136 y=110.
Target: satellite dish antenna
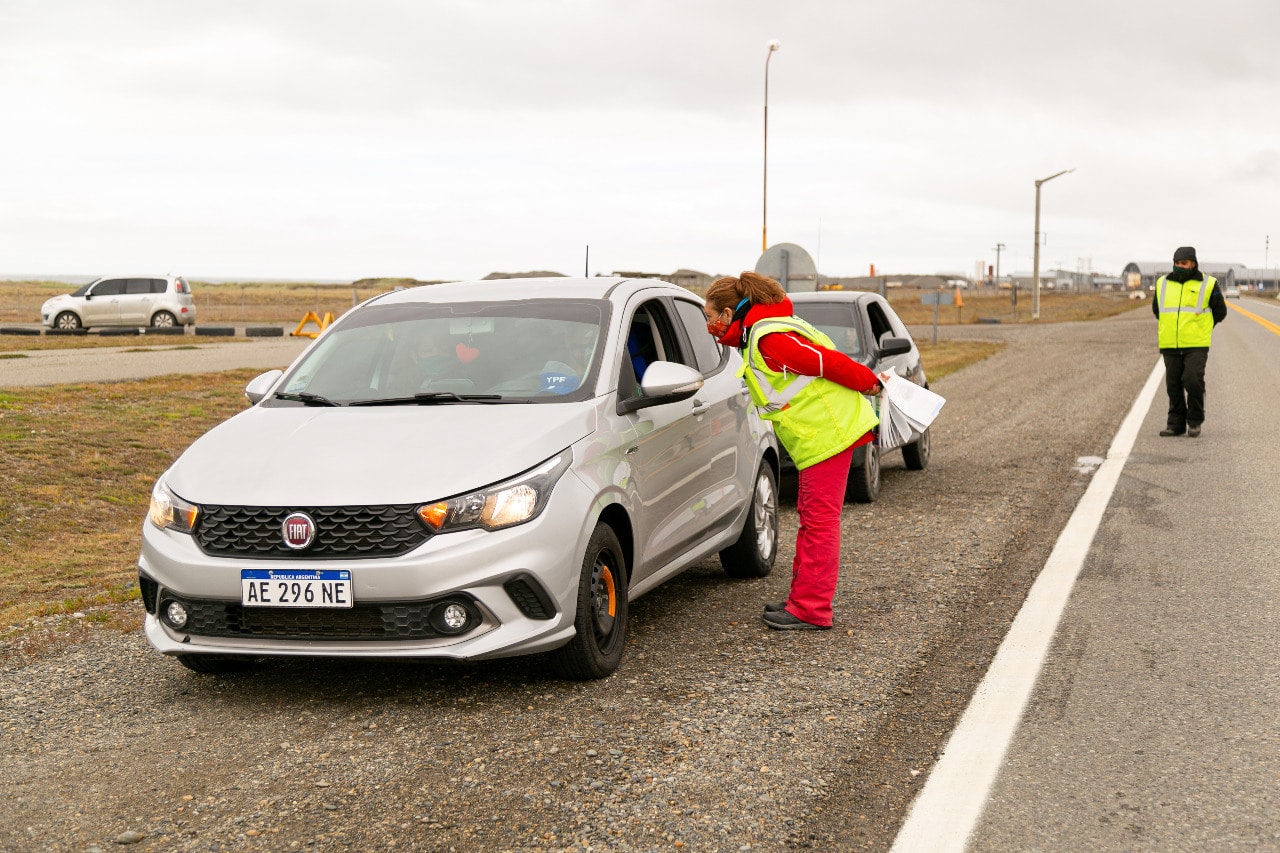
x=790 y=266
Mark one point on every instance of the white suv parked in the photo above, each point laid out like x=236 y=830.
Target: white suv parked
x=159 y=301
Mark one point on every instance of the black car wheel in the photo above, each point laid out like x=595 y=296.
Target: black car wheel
x=601 y=621
x=864 y=476
x=916 y=454
x=163 y=320
x=66 y=320
x=753 y=554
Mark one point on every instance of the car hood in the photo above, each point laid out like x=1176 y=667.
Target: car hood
x=371 y=455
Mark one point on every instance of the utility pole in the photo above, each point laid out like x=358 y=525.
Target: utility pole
x=998 y=250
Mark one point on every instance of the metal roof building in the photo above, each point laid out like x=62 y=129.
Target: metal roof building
x=1143 y=274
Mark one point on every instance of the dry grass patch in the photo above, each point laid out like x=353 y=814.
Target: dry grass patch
x=977 y=307
x=78 y=465
x=949 y=356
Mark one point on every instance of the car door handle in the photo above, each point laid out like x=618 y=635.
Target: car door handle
x=700 y=407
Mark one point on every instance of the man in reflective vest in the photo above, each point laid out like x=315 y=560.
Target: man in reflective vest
x=1187 y=304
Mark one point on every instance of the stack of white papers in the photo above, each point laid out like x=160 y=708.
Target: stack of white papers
x=906 y=410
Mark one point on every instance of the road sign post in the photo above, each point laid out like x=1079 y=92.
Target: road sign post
x=936 y=298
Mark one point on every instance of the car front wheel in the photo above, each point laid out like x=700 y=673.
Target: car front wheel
x=753 y=554
x=66 y=320
x=916 y=454
x=601 y=620
x=163 y=320
x=864 y=476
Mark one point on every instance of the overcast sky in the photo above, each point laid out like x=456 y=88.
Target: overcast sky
x=443 y=139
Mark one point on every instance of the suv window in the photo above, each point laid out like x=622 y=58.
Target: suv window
x=159 y=285
x=138 y=285
x=708 y=354
x=110 y=287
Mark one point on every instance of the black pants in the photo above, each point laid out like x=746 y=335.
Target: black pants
x=1184 y=380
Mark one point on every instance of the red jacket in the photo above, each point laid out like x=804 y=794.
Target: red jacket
x=791 y=353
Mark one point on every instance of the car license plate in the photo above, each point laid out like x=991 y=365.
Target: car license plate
x=294 y=588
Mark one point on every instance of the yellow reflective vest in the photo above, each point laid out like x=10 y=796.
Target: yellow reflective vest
x=813 y=417
x=1186 y=322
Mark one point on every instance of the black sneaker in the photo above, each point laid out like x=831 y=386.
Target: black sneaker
x=1168 y=432
x=781 y=620
x=1194 y=431
x=775 y=606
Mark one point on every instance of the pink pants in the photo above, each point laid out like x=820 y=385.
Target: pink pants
x=816 y=567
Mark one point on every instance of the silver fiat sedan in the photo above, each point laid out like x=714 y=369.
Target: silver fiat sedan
x=464 y=471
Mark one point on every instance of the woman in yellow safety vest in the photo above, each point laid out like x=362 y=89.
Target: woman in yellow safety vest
x=812 y=393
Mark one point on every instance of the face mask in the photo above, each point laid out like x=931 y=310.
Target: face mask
x=717 y=329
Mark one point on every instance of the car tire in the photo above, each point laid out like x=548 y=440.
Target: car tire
x=163 y=320
x=600 y=622
x=66 y=320
x=753 y=554
x=215 y=664
x=864 y=477
x=916 y=454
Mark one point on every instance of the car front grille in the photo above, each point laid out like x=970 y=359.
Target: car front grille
x=342 y=532
x=401 y=621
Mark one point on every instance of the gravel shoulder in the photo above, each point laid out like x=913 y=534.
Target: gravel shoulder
x=716 y=734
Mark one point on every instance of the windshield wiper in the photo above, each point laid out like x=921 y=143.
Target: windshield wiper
x=433 y=398
x=305 y=397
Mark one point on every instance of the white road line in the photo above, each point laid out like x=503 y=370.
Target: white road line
x=951 y=802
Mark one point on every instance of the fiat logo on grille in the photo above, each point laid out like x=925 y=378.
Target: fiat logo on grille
x=298 y=531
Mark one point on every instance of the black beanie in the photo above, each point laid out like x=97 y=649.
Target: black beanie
x=1185 y=253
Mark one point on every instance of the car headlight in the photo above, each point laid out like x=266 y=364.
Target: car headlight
x=169 y=510
x=505 y=504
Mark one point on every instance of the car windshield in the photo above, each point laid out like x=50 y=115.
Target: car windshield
x=836 y=320
x=537 y=350
x=83 y=289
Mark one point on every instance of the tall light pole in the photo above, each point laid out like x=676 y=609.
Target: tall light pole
x=1035 y=264
x=764 y=221
x=999 y=248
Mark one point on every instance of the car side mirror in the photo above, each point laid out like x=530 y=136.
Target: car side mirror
x=260 y=385
x=889 y=345
x=664 y=382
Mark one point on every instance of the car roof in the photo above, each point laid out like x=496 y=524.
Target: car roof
x=512 y=289
x=833 y=296
x=114 y=276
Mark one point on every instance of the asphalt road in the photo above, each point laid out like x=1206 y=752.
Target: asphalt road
x=1154 y=725
x=717 y=734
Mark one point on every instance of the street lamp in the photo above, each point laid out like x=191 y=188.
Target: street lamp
x=1035 y=264
x=764 y=226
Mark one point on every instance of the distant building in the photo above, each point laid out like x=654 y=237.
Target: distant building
x=1143 y=274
